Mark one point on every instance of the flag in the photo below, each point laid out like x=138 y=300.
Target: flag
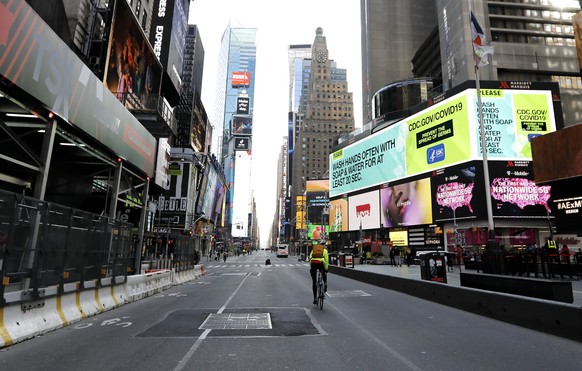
x=480 y=48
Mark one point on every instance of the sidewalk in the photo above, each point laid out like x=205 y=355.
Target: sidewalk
x=453 y=278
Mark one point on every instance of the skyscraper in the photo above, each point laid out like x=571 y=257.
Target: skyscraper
x=236 y=84
x=328 y=113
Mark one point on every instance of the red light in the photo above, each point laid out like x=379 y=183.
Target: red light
x=147 y=178
x=51 y=115
x=119 y=159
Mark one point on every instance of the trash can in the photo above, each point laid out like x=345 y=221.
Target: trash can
x=433 y=267
x=333 y=258
x=348 y=260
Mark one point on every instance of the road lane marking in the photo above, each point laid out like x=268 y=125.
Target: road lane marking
x=182 y=363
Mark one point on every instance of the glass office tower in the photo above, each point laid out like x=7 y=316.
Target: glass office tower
x=237 y=57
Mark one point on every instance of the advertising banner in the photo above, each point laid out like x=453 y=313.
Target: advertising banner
x=242 y=143
x=316 y=231
x=37 y=61
x=399 y=237
x=444 y=135
x=338 y=215
x=438 y=136
x=511 y=119
x=458 y=192
x=167 y=35
x=406 y=204
x=241 y=79
x=514 y=193
x=242 y=105
x=300 y=212
x=372 y=161
x=364 y=210
x=242 y=125
x=316 y=194
x=133 y=72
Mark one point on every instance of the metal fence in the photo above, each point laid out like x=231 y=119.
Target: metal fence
x=44 y=244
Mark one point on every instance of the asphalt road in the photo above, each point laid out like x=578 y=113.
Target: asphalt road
x=243 y=315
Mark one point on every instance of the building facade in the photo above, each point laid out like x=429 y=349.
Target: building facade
x=532 y=41
x=392 y=31
x=234 y=109
x=328 y=113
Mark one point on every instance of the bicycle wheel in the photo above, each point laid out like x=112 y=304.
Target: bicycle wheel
x=320 y=290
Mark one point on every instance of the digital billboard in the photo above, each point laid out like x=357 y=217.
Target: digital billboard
x=443 y=135
x=371 y=161
x=242 y=195
x=438 y=136
x=316 y=195
x=167 y=36
x=514 y=193
x=133 y=72
x=242 y=125
x=242 y=105
x=242 y=143
x=511 y=119
x=567 y=206
x=240 y=79
x=398 y=237
x=458 y=192
x=316 y=231
x=162 y=177
x=364 y=211
x=338 y=215
x=406 y=204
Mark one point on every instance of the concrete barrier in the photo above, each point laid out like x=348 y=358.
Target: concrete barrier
x=53 y=311
x=560 y=319
x=524 y=286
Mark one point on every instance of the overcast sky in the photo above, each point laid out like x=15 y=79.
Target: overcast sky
x=279 y=25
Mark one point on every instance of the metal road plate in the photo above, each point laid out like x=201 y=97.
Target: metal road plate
x=346 y=293
x=237 y=321
x=183 y=323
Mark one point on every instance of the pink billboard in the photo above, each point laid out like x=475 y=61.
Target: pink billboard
x=406 y=204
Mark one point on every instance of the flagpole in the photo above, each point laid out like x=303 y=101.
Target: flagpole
x=485 y=163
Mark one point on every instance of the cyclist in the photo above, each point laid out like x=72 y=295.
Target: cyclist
x=318 y=259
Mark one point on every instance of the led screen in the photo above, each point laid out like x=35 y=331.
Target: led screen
x=443 y=135
x=514 y=193
x=338 y=215
x=458 y=192
x=364 y=210
x=406 y=204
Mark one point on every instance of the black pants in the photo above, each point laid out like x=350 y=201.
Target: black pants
x=313 y=271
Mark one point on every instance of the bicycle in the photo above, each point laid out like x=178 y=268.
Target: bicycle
x=320 y=289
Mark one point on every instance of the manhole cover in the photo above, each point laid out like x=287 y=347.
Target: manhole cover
x=237 y=321
x=347 y=293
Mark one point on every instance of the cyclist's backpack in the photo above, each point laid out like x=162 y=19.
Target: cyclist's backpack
x=317 y=251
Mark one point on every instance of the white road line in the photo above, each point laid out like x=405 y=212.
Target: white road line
x=193 y=348
x=191 y=351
